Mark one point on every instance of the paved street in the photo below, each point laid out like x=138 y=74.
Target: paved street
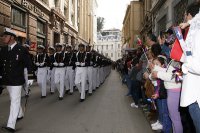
x=106 y=111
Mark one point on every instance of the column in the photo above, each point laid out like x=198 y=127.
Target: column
x=70 y=12
x=76 y=14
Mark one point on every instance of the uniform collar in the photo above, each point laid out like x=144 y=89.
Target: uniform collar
x=13 y=45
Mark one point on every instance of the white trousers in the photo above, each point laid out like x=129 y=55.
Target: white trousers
x=52 y=80
x=98 y=77
x=69 y=79
x=42 y=80
x=81 y=79
x=59 y=80
x=26 y=80
x=101 y=75
x=15 y=105
x=90 y=79
x=94 y=78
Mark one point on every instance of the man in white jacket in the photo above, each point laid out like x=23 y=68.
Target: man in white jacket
x=190 y=95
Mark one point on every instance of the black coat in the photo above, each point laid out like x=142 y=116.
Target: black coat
x=13 y=64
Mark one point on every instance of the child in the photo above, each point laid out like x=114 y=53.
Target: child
x=159 y=63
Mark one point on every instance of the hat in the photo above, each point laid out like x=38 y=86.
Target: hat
x=51 y=47
x=26 y=45
x=81 y=45
x=58 y=45
x=8 y=31
x=68 y=46
x=40 y=47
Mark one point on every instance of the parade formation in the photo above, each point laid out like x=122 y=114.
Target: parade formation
x=61 y=68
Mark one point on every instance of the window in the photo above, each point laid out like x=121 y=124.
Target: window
x=118 y=54
x=56 y=3
x=40 y=27
x=111 y=54
x=106 y=47
x=118 y=45
x=40 y=41
x=106 y=55
x=18 y=17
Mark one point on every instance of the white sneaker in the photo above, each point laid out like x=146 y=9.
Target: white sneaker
x=154 y=124
x=133 y=105
x=157 y=127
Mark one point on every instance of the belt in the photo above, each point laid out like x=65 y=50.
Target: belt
x=81 y=66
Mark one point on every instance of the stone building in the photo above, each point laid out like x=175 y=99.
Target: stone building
x=47 y=22
x=109 y=43
x=132 y=23
x=87 y=21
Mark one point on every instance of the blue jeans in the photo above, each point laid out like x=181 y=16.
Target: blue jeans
x=195 y=114
x=135 y=91
x=129 y=84
x=164 y=115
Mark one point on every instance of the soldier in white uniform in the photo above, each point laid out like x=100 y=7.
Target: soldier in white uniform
x=14 y=58
x=89 y=63
x=70 y=58
x=81 y=71
x=51 y=70
x=41 y=61
x=59 y=65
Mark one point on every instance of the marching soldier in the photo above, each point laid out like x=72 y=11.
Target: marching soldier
x=51 y=71
x=1 y=68
x=14 y=59
x=81 y=71
x=94 y=70
x=59 y=65
x=89 y=63
x=41 y=62
x=70 y=58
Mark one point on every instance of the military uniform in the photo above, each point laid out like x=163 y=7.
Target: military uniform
x=14 y=59
x=59 y=76
x=41 y=62
x=70 y=58
x=81 y=73
x=51 y=72
x=89 y=63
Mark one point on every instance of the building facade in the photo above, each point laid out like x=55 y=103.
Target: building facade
x=132 y=23
x=87 y=22
x=45 y=22
x=109 y=43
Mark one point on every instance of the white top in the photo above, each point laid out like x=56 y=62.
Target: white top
x=191 y=87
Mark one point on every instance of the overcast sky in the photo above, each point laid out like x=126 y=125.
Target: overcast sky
x=113 y=11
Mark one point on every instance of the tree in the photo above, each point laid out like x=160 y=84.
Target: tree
x=100 y=23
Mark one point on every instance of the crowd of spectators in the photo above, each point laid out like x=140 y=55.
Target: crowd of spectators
x=166 y=89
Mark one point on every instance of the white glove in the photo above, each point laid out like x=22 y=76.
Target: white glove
x=55 y=64
x=37 y=64
x=42 y=64
x=61 y=64
x=77 y=63
x=82 y=64
x=184 y=69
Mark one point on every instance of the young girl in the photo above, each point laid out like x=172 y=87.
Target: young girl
x=159 y=64
x=173 y=91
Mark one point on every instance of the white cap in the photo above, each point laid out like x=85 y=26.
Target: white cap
x=58 y=44
x=51 y=47
x=8 y=31
x=26 y=45
x=41 y=46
